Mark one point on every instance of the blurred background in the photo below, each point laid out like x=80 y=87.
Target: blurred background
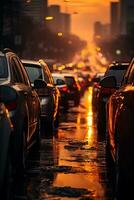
x=61 y=29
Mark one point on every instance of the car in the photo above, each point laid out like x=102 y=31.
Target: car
x=59 y=81
x=49 y=95
x=6 y=129
x=74 y=87
x=96 y=87
x=120 y=131
x=23 y=104
x=117 y=70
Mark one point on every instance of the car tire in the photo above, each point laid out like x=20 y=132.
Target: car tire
x=77 y=100
x=65 y=105
x=56 y=122
x=110 y=165
x=7 y=190
x=101 y=119
x=22 y=155
x=47 y=127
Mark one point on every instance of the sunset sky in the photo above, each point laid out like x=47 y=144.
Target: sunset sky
x=88 y=11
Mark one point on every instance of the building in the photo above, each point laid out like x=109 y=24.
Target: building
x=60 y=22
x=65 y=23
x=55 y=24
x=10 y=12
x=114 y=18
x=126 y=16
x=101 y=31
x=36 y=10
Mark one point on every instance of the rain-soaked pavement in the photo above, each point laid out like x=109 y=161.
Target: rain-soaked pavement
x=71 y=164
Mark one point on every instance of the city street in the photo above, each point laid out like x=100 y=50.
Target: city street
x=72 y=162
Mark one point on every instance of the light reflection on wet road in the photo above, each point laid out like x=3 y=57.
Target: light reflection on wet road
x=72 y=163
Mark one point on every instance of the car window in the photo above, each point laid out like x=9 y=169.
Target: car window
x=25 y=76
x=17 y=75
x=118 y=73
x=34 y=72
x=3 y=67
x=131 y=75
x=69 y=80
x=58 y=80
x=48 y=76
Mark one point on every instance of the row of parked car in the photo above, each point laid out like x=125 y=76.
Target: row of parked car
x=115 y=107
x=30 y=101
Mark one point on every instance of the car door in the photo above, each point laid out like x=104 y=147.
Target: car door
x=35 y=97
x=26 y=90
x=120 y=102
x=54 y=90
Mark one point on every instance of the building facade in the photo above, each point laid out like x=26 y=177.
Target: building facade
x=114 y=18
x=35 y=9
x=126 y=16
x=61 y=22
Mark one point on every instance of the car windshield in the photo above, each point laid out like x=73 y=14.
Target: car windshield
x=34 y=72
x=3 y=67
x=118 y=72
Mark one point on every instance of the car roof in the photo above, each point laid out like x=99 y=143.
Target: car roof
x=118 y=64
x=99 y=74
x=69 y=75
x=30 y=61
x=57 y=74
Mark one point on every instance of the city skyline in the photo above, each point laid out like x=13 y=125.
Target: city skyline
x=84 y=13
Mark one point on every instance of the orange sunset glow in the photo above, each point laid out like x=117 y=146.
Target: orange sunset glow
x=84 y=14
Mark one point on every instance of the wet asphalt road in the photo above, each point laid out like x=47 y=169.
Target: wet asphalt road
x=71 y=164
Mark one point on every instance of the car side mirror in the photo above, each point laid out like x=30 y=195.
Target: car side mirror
x=109 y=82
x=7 y=94
x=39 y=83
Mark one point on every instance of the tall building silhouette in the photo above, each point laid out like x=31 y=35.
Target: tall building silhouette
x=114 y=18
x=35 y=9
x=126 y=15
x=60 y=22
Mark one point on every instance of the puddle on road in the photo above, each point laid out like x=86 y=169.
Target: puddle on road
x=81 y=163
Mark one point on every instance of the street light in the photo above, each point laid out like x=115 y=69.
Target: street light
x=49 y=18
x=60 y=34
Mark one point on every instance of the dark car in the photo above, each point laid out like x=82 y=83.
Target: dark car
x=74 y=87
x=49 y=95
x=23 y=104
x=59 y=81
x=120 y=130
x=117 y=70
x=96 y=88
x=6 y=128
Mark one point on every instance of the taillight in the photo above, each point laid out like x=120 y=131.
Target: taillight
x=64 y=89
x=11 y=106
x=107 y=91
x=77 y=86
x=96 y=85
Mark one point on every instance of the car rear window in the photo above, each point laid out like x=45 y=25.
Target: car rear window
x=118 y=72
x=59 y=80
x=34 y=72
x=3 y=67
x=69 y=80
